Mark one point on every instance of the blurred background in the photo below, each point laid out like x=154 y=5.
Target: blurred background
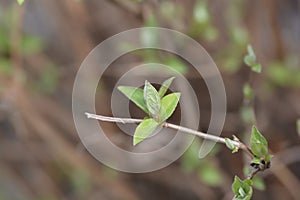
x=43 y=43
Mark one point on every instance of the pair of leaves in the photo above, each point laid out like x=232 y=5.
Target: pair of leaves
x=154 y=103
x=242 y=189
x=250 y=60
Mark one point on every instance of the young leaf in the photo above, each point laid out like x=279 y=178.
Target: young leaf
x=242 y=189
x=242 y=193
x=136 y=95
x=165 y=86
x=168 y=105
x=20 y=2
x=250 y=60
x=258 y=143
x=256 y=160
x=230 y=145
x=152 y=99
x=256 y=68
x=144 y=129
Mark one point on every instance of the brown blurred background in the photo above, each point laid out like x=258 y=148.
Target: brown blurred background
x=42 y=44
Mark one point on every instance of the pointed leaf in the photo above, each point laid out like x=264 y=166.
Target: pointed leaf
x=136 y=95
x=256 y=68
x=165 y=86
x=144 y=129
x=152 y=99
x=168 y=105
x=250 y=60
x=258 y=143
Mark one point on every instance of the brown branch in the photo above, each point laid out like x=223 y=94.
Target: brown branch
x=210 y=137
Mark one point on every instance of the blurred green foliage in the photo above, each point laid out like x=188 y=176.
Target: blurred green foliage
x=206 y=169
x=31 y=46
x=284 y=73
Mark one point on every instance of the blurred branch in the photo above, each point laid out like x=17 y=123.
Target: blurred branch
x=130 y=7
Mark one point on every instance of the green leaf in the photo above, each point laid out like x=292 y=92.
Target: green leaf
x=168 y=105
x=229 y=143
x=136 y=95
x=242 y=192
x=258 y=143
x=242 y=189
x=256 y=160
x=152 y=99
x=236 y=185
x=298 y=126
x=248 y=91
x=20 y=2
x=144 y=129
x=250 y=60
x=165 y=86
x=256 y=68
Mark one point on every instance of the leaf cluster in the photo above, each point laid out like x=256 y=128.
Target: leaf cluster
x=158 y=106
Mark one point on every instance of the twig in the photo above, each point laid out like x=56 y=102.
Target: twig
x=214 y=138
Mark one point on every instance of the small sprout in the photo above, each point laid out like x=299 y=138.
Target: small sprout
x=242 y=189
x=230 y=145
x=250 y=60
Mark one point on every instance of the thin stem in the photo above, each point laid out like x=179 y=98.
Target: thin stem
x=214 y=138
